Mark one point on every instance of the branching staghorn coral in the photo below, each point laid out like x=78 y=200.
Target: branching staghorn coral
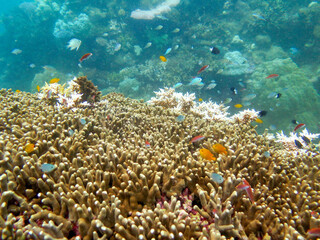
x=110 y=184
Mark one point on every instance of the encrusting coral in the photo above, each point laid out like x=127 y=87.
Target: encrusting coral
x=110 y=184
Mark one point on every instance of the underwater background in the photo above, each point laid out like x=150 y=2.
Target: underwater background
x=267 y=55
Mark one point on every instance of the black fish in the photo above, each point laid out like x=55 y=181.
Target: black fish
x=215 y=50
x=307 y=140
x=262 y=113
x=235 y=92
x=298 y=144
x=295 y=122
x=278 y=95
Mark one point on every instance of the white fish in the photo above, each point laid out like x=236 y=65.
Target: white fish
x=32 y=65
x=211 y=85
x=159 y=27
x=168 y=51
x=74 y=43
x=176 y=30
x=148 y=45
x=16 y=51
x=105 y=34
x=117 y=47
x=177 y=85
x=195 y=81
x=228 y=100
x=176 y=47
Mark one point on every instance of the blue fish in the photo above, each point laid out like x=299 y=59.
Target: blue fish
x=196 y=81
x=71 y=132
x=48 y=168
x=180 y=118
x=177 y=85
x=168 y=51
x=83 y=121
x=217 y=178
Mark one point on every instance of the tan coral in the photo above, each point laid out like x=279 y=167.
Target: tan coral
x=109 y=184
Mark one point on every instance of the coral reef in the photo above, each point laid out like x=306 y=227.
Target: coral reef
x=109 y=184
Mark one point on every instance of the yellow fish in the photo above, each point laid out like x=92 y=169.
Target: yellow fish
x=54 y=80
x=200 y=99
x=218 y=148
x=206 y=154
x=238 y=105
x=258 y=120
x=18 y=91
x=38 y=88
x=29 y=148
x=163 y=58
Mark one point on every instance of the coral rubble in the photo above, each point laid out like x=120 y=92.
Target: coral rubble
x=109 y=184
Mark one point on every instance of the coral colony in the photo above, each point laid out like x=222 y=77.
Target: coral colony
x=133 y=171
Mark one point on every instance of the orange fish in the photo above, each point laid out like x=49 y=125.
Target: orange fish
x=218 y=148
x=38 y=88
x=246 y=186
x=272 y=76
x=18 y=91
x=258 y=120
x=238 y=105
x=163 y=58
x=85 y=57
x=206 y=154
x=54 y=80
x=29 y=148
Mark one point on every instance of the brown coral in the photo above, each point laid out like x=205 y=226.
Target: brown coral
x=109 y=185
x=88 y=90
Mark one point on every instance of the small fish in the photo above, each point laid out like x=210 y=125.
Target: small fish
x=85 y=57
x=29 y=148
x=159 y=27
x=176 y=30
x=206 y=154
x=18 y=91
x=314 y=232
x=163 y=58
x=220 y=149
x=262 y=113
x=177 y=85
x=215 y=50
x=147 y=144
x=278 y=95
x=83 y=121
x=249 y=97
x=293 y=51
x=266 y=154
x=148 y=45
x=168 y=51
x=217 y=178
x=176 y=47
x=272 y=95
x=298 y=144
x=234 y=90
x=246 y=186
x=71 y=132
x=227 y=100
x=38 y=88
x=200 y=99
x=306 y=140
x=295 y=122
x=259 y=17
x=197 y=139
x=211 y=85
x=203 y=68
x=258 y=120
x=16 y=51
x=272 y=76
x=117 y=47
x=180 y=118
x=195 y=81
x=300 y=125
x=32 y=65
x=54 y=80
x=74 y=43
x=238 y=105
x=48 y=168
